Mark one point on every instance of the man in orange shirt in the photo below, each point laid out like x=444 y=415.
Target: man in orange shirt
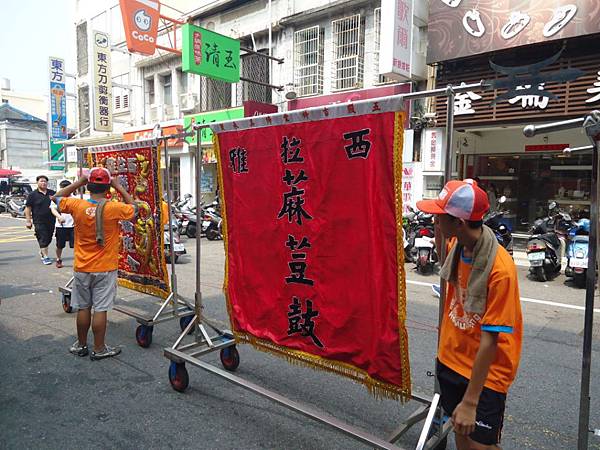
x=96 y=265
x=482 y=327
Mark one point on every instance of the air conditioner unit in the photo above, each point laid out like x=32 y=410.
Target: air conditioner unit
x=169 y=112
x=188 y=101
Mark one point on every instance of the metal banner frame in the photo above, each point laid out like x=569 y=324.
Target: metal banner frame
x=591 y=125
x=174 y=306
x=223 y=341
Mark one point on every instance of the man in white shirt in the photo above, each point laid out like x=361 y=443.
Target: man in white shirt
x=64 y=228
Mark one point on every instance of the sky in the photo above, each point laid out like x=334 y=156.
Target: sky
x=31 y=32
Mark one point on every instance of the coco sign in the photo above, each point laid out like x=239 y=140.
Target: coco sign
x=140 y=19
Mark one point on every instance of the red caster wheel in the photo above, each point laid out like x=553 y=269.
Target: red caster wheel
x=178 y=376
x=230 y=358
x=143 y=335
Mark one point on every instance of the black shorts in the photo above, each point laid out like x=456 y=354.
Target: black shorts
x=64 y=235
x=43 y=233
x=490 y=410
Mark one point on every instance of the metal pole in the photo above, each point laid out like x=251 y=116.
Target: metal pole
x=171 y=243
x=80 y=166
x=590 y=290
x=198 y=297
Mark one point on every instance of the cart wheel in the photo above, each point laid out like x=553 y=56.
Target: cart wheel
x=143 y=335
x=184 y=322
x=230 y=358
x=66 y=303
x=178 y=376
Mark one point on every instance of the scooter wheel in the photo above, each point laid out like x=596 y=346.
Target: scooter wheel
x=540 y=274
x=191 y=231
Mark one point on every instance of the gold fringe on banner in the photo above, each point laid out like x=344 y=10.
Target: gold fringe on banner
x=379 y=389
x=401 y=276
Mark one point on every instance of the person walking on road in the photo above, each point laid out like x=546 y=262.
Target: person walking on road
x=97 y=245
x=482 y=327
x=64 y=228
x=37 y=206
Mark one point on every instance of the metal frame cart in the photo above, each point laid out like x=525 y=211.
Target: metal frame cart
x=591 y=126
x=208 y=337
x=174 y=306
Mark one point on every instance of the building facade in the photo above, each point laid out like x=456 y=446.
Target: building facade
x=327 y=48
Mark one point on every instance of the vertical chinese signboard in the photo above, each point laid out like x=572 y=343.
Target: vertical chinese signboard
x=142 y=263
x=308 y=269
x=58 y=110
x=433 y=150
x=102 y=83
x=395 y=50
x=210 y=54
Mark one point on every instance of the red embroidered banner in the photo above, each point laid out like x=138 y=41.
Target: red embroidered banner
x=314 y=271
x=142 y=265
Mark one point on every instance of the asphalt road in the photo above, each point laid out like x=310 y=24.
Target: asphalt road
x=51 y=399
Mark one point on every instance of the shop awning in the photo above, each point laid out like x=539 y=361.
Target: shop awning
x=8 y=173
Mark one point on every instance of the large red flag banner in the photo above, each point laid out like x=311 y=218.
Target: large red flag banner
x=142 y=264
x=314 y=269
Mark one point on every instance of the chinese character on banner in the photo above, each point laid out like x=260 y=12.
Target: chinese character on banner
x=530 y=101
x=303 y=266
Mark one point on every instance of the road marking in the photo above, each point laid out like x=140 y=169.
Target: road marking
x=18 y=239
x=523 y=299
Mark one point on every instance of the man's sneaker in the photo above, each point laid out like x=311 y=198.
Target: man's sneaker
x=78 y=349
x=106 y=353
x=47 y=261
x=436 y=290
x=59 y=263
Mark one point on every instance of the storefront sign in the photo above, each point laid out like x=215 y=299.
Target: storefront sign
x=395 y=48
x=102 y=82
x=469 y=27
x=433 y=150
x=412 y=185
x=167 y=130
x=140 y=20
x=546 y=148
x=209 y=117
x=210 y=54
x=58 y=98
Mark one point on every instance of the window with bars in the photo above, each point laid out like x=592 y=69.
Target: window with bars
x=254 y=67
x=348 y=52
x=174 y=177
x=308 y=61
x=82 y=52
x=215 y=94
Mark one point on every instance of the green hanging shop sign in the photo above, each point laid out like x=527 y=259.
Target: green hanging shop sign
x=210 y=54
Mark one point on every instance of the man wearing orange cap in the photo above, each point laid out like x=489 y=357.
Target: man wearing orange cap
x=96 y=255
x=481 y=331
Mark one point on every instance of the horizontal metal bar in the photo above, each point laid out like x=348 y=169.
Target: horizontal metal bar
x=587 y=148
x=169 y=49
x=278 y=88
x=247 y=50
x=305 y=410
x=441 y=92
x=147 y=320
x=418 y=415
x=533 y=130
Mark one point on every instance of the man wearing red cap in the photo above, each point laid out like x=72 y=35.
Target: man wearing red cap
x=96 y=255
x=481 y=330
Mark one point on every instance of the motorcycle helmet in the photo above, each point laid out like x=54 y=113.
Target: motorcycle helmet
x=584 y=224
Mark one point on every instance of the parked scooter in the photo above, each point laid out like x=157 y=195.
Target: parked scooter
x=577 y=252
x=15 y=205
x=500 y=229
x=178 y=247
x=423 y=246
x=211 y=224
x=544 y=247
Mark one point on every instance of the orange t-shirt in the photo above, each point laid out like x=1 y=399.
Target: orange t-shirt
x=164 y=210
x=89 y=256
x=460 y=333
